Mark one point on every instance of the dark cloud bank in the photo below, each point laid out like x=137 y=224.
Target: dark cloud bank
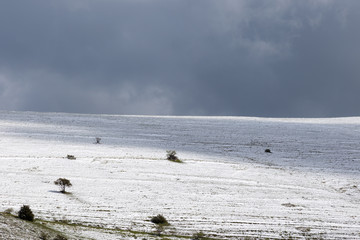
x=257 y=58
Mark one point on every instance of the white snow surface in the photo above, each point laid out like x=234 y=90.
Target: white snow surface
x=227 y=186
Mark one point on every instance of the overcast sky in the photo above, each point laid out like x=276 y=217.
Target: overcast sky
x=278 y=58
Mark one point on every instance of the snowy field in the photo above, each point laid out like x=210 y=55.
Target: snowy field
x=227 y=187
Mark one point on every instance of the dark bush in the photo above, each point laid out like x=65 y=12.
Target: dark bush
x=171 y=156
x=160 y=220
x=25 y=213
x=60 y=237
x=71 y=157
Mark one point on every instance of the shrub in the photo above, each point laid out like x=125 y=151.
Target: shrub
x=171 y=156
x=63 y=183
x=198 y=236
x=160 y=220
x=25 y=213
x=159 y=229
x=9 y=210
x=43 y=236
x=60 y=237
x=71 y=157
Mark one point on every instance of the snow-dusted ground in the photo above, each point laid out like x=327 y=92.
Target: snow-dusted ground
x=309 y=186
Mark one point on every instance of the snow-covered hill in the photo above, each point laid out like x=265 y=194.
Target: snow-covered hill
x=227 y=187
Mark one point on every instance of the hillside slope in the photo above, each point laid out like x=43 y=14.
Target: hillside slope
x=227 y=187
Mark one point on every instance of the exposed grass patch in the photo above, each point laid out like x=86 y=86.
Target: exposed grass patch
x=49 y=229
x=35 y=227
x=128 y=232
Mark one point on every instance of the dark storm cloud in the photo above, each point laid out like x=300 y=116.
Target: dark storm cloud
x=230 y=57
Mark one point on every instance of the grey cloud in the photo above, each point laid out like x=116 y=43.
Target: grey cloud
x=259 y=58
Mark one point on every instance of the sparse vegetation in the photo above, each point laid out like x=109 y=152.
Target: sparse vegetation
x=25 y=213
x=159 y=229
x=286 y=235
x=222 y=188
x=71 y=157
x=43 y=236
x=60 y=237
x=160 y=220
x=288 y=205
x=171 y=156
x=9 y=210
x=63 y=183
x=198 y=236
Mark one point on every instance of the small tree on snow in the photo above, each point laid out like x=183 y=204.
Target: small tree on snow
x=63 y=183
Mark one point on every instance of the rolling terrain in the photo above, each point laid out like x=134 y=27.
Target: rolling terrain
x=228 y=187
